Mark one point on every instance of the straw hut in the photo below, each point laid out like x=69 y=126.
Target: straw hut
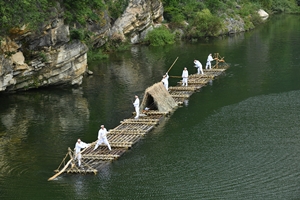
x=158 y=98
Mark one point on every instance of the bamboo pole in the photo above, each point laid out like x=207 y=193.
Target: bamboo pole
x=175 y=77
x=172 y=65
x=61 y=171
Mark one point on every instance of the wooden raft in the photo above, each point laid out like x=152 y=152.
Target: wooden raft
x=195 y=82
x=122 y=137
x=131 y=130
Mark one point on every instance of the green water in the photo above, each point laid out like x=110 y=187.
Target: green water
x=238 y=138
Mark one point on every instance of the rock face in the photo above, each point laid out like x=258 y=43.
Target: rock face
x=54 y=60
x=138 y=19
x=32 y=60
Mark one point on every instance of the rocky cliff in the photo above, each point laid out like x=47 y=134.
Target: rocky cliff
x=31 y=61
x=48 y=57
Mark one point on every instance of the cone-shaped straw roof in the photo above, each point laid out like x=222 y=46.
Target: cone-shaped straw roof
x=158 y=97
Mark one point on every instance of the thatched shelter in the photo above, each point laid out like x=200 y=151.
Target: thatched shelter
x=158 y=98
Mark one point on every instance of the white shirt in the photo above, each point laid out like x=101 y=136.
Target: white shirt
x=136 y=102
x=197 y=63
x=79 y=146
x=209 y=58
x=165 y=80
x=102 y=133
x=185 y=74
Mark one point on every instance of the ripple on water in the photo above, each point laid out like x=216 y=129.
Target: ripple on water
x=252 y=148
x=247 y=150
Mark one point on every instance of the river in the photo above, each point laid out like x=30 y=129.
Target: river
x=237 y=138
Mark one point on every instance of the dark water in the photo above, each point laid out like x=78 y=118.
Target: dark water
x=238 y=138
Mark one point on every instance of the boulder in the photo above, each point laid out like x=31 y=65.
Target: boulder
x=263 y=14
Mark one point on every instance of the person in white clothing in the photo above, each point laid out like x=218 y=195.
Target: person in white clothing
x=102 y=138
x=198 y=65
x=165 y=81
x=78 y=146
x=208 y=63
x=136 y=105
x=185 y=75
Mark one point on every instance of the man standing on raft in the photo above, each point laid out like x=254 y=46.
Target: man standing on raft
x=136 y=105
x=208 y=63
x=102 y=138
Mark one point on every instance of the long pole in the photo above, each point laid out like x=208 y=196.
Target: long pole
x=172 y=65
x=61 y=171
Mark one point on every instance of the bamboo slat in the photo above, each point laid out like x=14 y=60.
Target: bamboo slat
x=100 y=157
x=138 y=122
x=129 y=132
x=141 y=120
x=161 y=114
x=180 y=96
x=184 y=88
x=214 y=70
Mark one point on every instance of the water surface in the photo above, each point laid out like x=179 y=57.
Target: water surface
x=238 y=138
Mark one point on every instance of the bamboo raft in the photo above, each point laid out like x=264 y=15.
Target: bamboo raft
x=131 y=130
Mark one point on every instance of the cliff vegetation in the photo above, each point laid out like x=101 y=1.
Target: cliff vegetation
x=48 y=42
x=199 y=18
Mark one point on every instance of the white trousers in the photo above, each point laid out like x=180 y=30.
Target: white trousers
x=102 y=140
x=208 y=65
x=184 y=81
x=78 y=157
x=166 y=86
x=137 y=111
x=200 y=71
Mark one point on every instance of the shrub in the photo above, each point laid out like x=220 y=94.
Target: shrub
x=160 y=36
x=43 y=57
x=77 y=34
x=204 y=24
x=116 y=8
x=93 y=55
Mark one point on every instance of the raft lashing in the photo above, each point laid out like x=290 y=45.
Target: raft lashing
x=131 y=130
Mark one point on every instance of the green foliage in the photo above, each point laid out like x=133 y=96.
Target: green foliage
x=248 y=23
x=43 y=56
x=116 y=8
x=256 y=19
x=283 y=5
x=160 y=37
x=81 y=10
x=192 y=7
x=9 y=53
x=78 y=34
x=172 y=14
x=96 y=54
x=116 y=44
x=266 y=4
x=215 y=5
x=204 y=24
x=17 y=13
x=203 y=16
x=178 y=11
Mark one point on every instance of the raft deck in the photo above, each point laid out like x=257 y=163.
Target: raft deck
x=131 y=130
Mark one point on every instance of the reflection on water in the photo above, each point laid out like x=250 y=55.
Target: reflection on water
x=186 y=102
x=237 y=138
x=30 y=123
